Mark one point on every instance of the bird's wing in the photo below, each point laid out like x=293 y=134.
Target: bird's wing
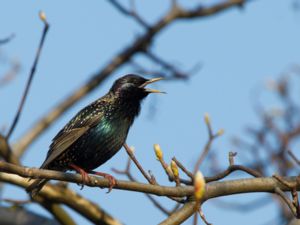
x=79 y=125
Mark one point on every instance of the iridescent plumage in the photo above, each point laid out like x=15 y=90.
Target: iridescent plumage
x=98 y=131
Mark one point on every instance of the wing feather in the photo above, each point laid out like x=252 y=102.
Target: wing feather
x=79 y=125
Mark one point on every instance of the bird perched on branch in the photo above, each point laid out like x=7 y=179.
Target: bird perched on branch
x=97 y=132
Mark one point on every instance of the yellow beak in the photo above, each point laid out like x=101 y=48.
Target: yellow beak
x=150 y=82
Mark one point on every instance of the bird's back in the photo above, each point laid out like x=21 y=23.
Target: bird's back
x=91 y=137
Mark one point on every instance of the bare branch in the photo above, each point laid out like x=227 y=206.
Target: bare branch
x=211 y=138
x=213 y=190
x=11 y=74
x=132 y=156
x=203 y=217
x=131 y=178
x=131 y=13
x=31 y=75
x=7 y=39
x=287 y=201
x=65 y=196
x=167 y=66
x=180 y=215
x=200 y=11
x=184 y=169
x=293 y=157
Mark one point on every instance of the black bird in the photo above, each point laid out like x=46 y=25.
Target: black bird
x=97 y=132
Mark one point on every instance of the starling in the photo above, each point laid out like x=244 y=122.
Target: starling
x=97 y=132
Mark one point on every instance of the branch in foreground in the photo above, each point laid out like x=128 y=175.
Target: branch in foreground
x=215 y=189
x=65 y=196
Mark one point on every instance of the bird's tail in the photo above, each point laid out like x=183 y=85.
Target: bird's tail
x=36 y=186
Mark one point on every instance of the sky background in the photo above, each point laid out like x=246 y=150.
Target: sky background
x=239 y=50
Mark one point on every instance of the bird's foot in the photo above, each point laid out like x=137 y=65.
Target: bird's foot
x=112 y=181
x=84 y=175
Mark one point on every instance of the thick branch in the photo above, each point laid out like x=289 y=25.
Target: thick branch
x=213 y=190
x=65 y=196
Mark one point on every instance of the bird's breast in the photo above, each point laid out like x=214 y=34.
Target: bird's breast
x=102 y=142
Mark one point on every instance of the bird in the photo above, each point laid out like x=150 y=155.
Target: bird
x=97 y=132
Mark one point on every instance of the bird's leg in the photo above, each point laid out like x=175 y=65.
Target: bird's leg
x=83 y=173
x=112 y=181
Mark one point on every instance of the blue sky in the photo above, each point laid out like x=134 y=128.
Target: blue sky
x=239 y=49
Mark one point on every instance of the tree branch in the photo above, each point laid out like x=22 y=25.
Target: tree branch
x=7 y=39
x=131 y=13
x=180 y=215
x=65 y=196
x=31 y=75
x=213 y=190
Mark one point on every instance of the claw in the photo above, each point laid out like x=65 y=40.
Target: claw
x=112 y=181
x=84 y=175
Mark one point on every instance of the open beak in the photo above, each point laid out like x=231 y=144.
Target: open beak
x=150 y=82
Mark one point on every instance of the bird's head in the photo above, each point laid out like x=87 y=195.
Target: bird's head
x=132 y=86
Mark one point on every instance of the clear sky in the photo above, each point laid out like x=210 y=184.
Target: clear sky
x=239 y=49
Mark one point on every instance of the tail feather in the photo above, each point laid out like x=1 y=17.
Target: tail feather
x=36 y=186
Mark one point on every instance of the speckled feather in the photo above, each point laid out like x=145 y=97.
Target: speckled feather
x=96 y=132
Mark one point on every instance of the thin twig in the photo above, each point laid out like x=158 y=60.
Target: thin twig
x=136 y=162
x=296 y=202
x=183 y=168
x=211 y=138
x=166 y=65
x=293 y=205
x=131 y=178
x=231 y=156
x=280 y=193
x=166 y=168
x=203 y=154
x=31 y=75
x=281 y=180
x=131 y=13
x=176 y=207
x=11 y=74
x=293 y=157
x=203 y=217
x=231 y=169
x=7 y=39
x=169 y=172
